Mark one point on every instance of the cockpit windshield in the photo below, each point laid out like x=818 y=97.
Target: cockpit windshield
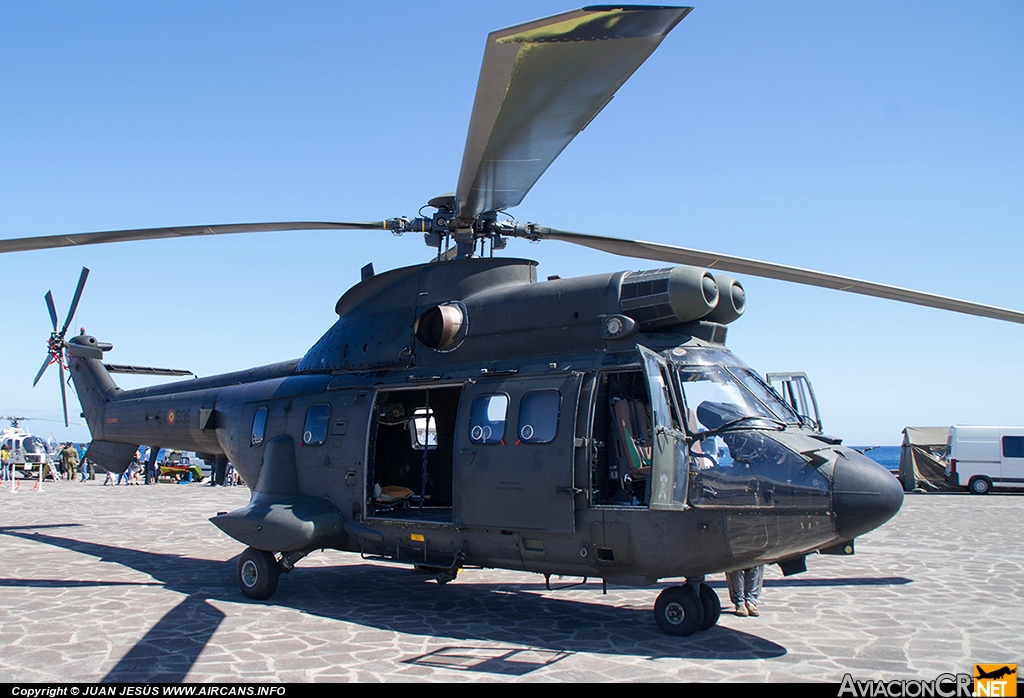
x=714 y=399
x=717 y=395
x=735 y=459
x=755 y=384
x=34 y=445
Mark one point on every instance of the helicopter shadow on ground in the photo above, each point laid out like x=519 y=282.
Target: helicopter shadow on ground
x=843 y=582
x=395 y=599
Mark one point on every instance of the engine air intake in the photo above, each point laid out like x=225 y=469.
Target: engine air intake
x=666 y=297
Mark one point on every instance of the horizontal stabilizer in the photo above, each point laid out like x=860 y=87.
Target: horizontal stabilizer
x=146 y=370
x=111 y=456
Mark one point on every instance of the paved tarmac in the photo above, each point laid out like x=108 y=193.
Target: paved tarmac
x=134 y=584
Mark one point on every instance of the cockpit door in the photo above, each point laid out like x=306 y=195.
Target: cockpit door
x=668 y=447
x=515 y=453
x=795 y=389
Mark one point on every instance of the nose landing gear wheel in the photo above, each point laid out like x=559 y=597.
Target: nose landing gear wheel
x=678 y=611
x=258 y=574
x=712 y=606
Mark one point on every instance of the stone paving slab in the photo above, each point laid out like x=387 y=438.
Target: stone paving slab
x=134 y=584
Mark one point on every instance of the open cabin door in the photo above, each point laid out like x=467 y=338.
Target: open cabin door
x=515 y=453
x=795 y=389
x=669 y=463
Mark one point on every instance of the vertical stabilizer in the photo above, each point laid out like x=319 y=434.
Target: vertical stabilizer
x=93 y=383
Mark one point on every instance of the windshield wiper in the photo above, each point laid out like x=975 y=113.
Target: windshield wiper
x=735 y=423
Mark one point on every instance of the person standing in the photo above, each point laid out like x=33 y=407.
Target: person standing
x=744 y=588
x=126 y=474
x=5 y=460
x=88 y=472
x=70 y=456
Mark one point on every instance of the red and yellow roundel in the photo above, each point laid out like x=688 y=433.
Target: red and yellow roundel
x=170 y=416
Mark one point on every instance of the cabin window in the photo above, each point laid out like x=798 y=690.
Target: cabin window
x=315 y=431
x=1013 y=446
x=538 y=416
x=487 y=419
x=259 y=426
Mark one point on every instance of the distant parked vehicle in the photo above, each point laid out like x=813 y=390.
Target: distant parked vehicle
x=981 y=458
x=179 y=466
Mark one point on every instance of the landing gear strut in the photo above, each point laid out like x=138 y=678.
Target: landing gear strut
x=441 y=575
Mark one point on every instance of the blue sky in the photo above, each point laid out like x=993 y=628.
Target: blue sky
x=877 y=140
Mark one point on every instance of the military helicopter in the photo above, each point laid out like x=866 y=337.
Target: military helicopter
x=462 y=413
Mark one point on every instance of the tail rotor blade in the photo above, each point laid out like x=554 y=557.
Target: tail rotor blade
x=53 y=310
x=74 y=302
x=64 y=396
x=46 y=364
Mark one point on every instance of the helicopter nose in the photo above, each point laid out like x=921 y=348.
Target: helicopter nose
x=865 y=495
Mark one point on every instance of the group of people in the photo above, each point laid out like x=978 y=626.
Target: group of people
x=129 y=476
x=71 y=464
x=71 y=461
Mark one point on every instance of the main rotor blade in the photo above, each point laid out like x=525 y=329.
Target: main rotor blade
x=64 y=396
x=74 y=301
x=52 y=309
x=769 y=270
x=42 y=370
x=541 y=83
x=50 y=241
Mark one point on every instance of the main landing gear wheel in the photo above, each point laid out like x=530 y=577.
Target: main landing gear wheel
x=678 y=611
x=258 y=574
x=712 y=606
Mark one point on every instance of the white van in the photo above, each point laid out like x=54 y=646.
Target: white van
x=981 y=458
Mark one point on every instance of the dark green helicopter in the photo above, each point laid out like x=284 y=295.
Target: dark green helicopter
x=461 y=413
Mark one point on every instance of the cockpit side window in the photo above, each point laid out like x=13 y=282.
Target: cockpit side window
x=314 y=433
x=259 y=426
x=538 y=416
x=487 y=418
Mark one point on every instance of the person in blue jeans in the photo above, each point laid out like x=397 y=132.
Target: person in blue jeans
x=744 y=588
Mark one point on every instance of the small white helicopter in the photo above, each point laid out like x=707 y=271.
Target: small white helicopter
x=28 y=452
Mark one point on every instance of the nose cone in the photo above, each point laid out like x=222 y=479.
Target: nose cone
x=865 y=495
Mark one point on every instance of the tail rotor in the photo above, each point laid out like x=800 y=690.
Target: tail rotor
x=56 y=344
